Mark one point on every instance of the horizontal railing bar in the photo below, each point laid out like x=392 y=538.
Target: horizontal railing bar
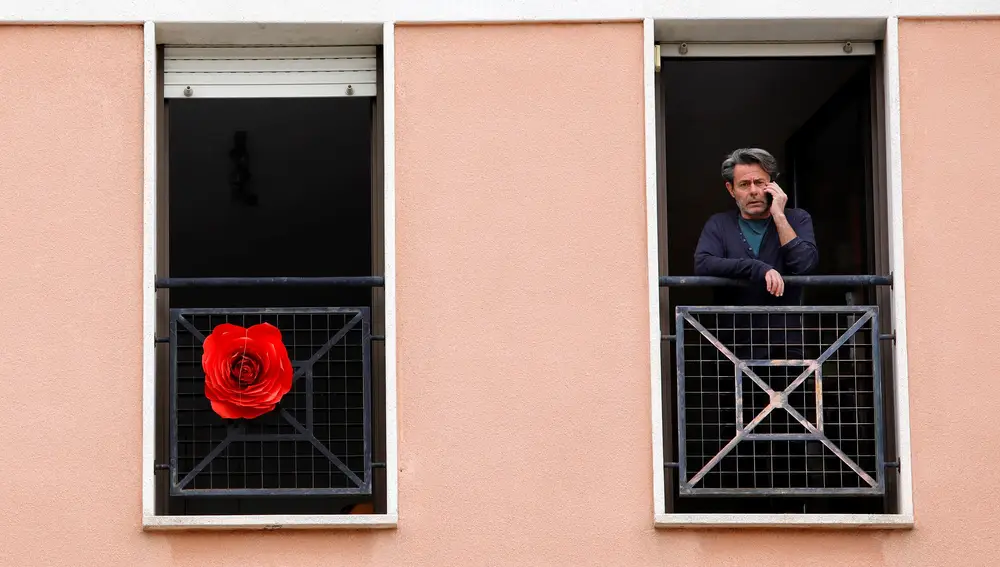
x=773 y=309
x=882 y=337
x=261 y=492
x=343 y=281
x=744 y=492
x=780 y=362
x=710 y=281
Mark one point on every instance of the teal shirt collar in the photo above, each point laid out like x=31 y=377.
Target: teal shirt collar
x=753 y=232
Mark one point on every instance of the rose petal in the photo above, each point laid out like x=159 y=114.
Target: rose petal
x=265 y=332
x=230 y=410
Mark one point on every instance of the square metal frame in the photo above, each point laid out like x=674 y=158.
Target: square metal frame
x=687 y=486
x=305 y=432
x=812 y=368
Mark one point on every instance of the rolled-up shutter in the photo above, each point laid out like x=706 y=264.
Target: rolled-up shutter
x=268 y=72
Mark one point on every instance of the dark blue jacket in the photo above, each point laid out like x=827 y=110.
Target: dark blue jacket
x=724 y=252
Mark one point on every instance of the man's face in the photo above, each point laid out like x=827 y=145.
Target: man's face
x=747 y=189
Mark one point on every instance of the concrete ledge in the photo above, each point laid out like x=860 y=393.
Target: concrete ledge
x=276 y=522
x=792 y=521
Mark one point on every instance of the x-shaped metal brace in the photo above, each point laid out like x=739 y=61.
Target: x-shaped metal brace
x=779 y=399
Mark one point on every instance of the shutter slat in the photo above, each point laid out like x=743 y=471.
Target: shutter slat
x=311 y=78
x=268 y=52
x=266 y=65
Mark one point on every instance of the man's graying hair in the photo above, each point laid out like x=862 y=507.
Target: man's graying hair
x=749 y=156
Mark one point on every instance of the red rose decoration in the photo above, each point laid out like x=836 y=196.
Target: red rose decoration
x=247 y=371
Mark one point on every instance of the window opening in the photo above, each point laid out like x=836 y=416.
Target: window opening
x=777 y=410
x=271 y=211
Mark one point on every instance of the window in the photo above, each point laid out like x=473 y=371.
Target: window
x=270 y=211
x=786 y=411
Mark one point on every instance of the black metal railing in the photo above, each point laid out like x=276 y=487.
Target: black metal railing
x=779 y=401
x=318 y=440
x=342 y=281
x=832 y=280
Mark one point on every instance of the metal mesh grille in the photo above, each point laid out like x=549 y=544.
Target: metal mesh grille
x=316 y=441
x=779 y=401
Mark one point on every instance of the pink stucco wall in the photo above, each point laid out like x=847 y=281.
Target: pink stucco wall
x=950 y=88
x=523 y=365
x=523 y=311
x=70 y=296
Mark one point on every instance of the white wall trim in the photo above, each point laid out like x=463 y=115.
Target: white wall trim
x=149 y=518
x=274 y=522
x=255 y=33
x=900 y=364
x=894 y=162
x=149 y=176
x=947 y=8
x=378 y=11
x=789 y=521
x=652 y=264
x=389 y=187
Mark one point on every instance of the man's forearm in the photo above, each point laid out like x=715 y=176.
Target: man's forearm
x=739 y=268
x=786 y=233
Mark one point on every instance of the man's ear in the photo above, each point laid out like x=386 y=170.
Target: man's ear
x=729 y=187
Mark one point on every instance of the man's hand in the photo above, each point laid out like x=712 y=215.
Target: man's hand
x=780 y=199
x=775 y=285
x=785 y=231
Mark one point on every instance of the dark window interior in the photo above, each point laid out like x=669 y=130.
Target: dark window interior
x=272 y=187
x=305 y=210
x=815 y=115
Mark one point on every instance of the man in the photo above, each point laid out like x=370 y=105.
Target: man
x=759 y=241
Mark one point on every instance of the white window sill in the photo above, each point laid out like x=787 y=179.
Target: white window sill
x=275 y=522
x=789 y=521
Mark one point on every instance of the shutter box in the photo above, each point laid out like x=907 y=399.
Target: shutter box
x=268 y=72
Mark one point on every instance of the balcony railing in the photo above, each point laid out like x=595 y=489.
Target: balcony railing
x=779 y=400
x=317 y=440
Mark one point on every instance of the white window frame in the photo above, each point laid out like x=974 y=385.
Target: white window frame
x=755 y=31
x=152 y=521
